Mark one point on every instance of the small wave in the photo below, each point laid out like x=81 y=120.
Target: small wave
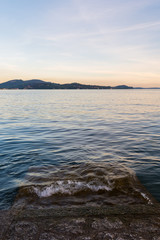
x=68 y=188
x=89 y=183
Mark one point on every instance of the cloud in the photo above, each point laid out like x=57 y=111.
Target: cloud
x=87 y=39
x=140 y=26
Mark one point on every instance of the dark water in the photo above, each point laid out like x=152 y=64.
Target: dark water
x=79 y=146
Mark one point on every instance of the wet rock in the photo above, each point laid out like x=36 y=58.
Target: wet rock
x=22 y=231
x=106 y=223
x=47 y=236
x=83 y=238
x=144 y=225
x=105 y=236
x=5 y=221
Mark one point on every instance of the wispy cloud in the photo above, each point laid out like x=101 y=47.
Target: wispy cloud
x=140 y=26
x=83 y=39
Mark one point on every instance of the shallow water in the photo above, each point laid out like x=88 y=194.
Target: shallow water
x=91 y=184
x=49 y=131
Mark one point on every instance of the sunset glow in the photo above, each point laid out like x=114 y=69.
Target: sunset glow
x=87 y=41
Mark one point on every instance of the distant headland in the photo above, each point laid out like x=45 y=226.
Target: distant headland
x=40 y=84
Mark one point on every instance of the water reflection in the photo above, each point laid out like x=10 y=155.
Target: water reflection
x=63 y=127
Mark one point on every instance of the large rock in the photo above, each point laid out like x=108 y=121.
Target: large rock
x=82 y=223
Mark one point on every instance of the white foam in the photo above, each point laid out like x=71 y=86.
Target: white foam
x=146 y=197
x=68 y=187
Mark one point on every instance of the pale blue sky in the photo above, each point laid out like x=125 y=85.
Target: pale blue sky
x=88 y=41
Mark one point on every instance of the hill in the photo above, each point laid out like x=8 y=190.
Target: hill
x=122 y=87
x=39 y=84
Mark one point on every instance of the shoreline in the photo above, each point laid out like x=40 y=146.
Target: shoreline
x=82 y=223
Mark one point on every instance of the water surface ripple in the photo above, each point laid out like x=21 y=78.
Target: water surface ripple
x=58 y=128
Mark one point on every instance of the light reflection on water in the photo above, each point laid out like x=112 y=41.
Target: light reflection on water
x=56 y=127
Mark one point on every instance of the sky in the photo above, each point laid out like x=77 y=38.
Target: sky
x=87 y=41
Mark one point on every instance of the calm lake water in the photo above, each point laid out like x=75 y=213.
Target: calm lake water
x=79 y=146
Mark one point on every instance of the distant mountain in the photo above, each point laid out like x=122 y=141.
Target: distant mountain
x=29 y=84
x=122 y=87
x=39 y=84
x=147 y=88
x=82 y=86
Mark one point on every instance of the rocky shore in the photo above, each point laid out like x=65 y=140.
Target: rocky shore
x=82 y=223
